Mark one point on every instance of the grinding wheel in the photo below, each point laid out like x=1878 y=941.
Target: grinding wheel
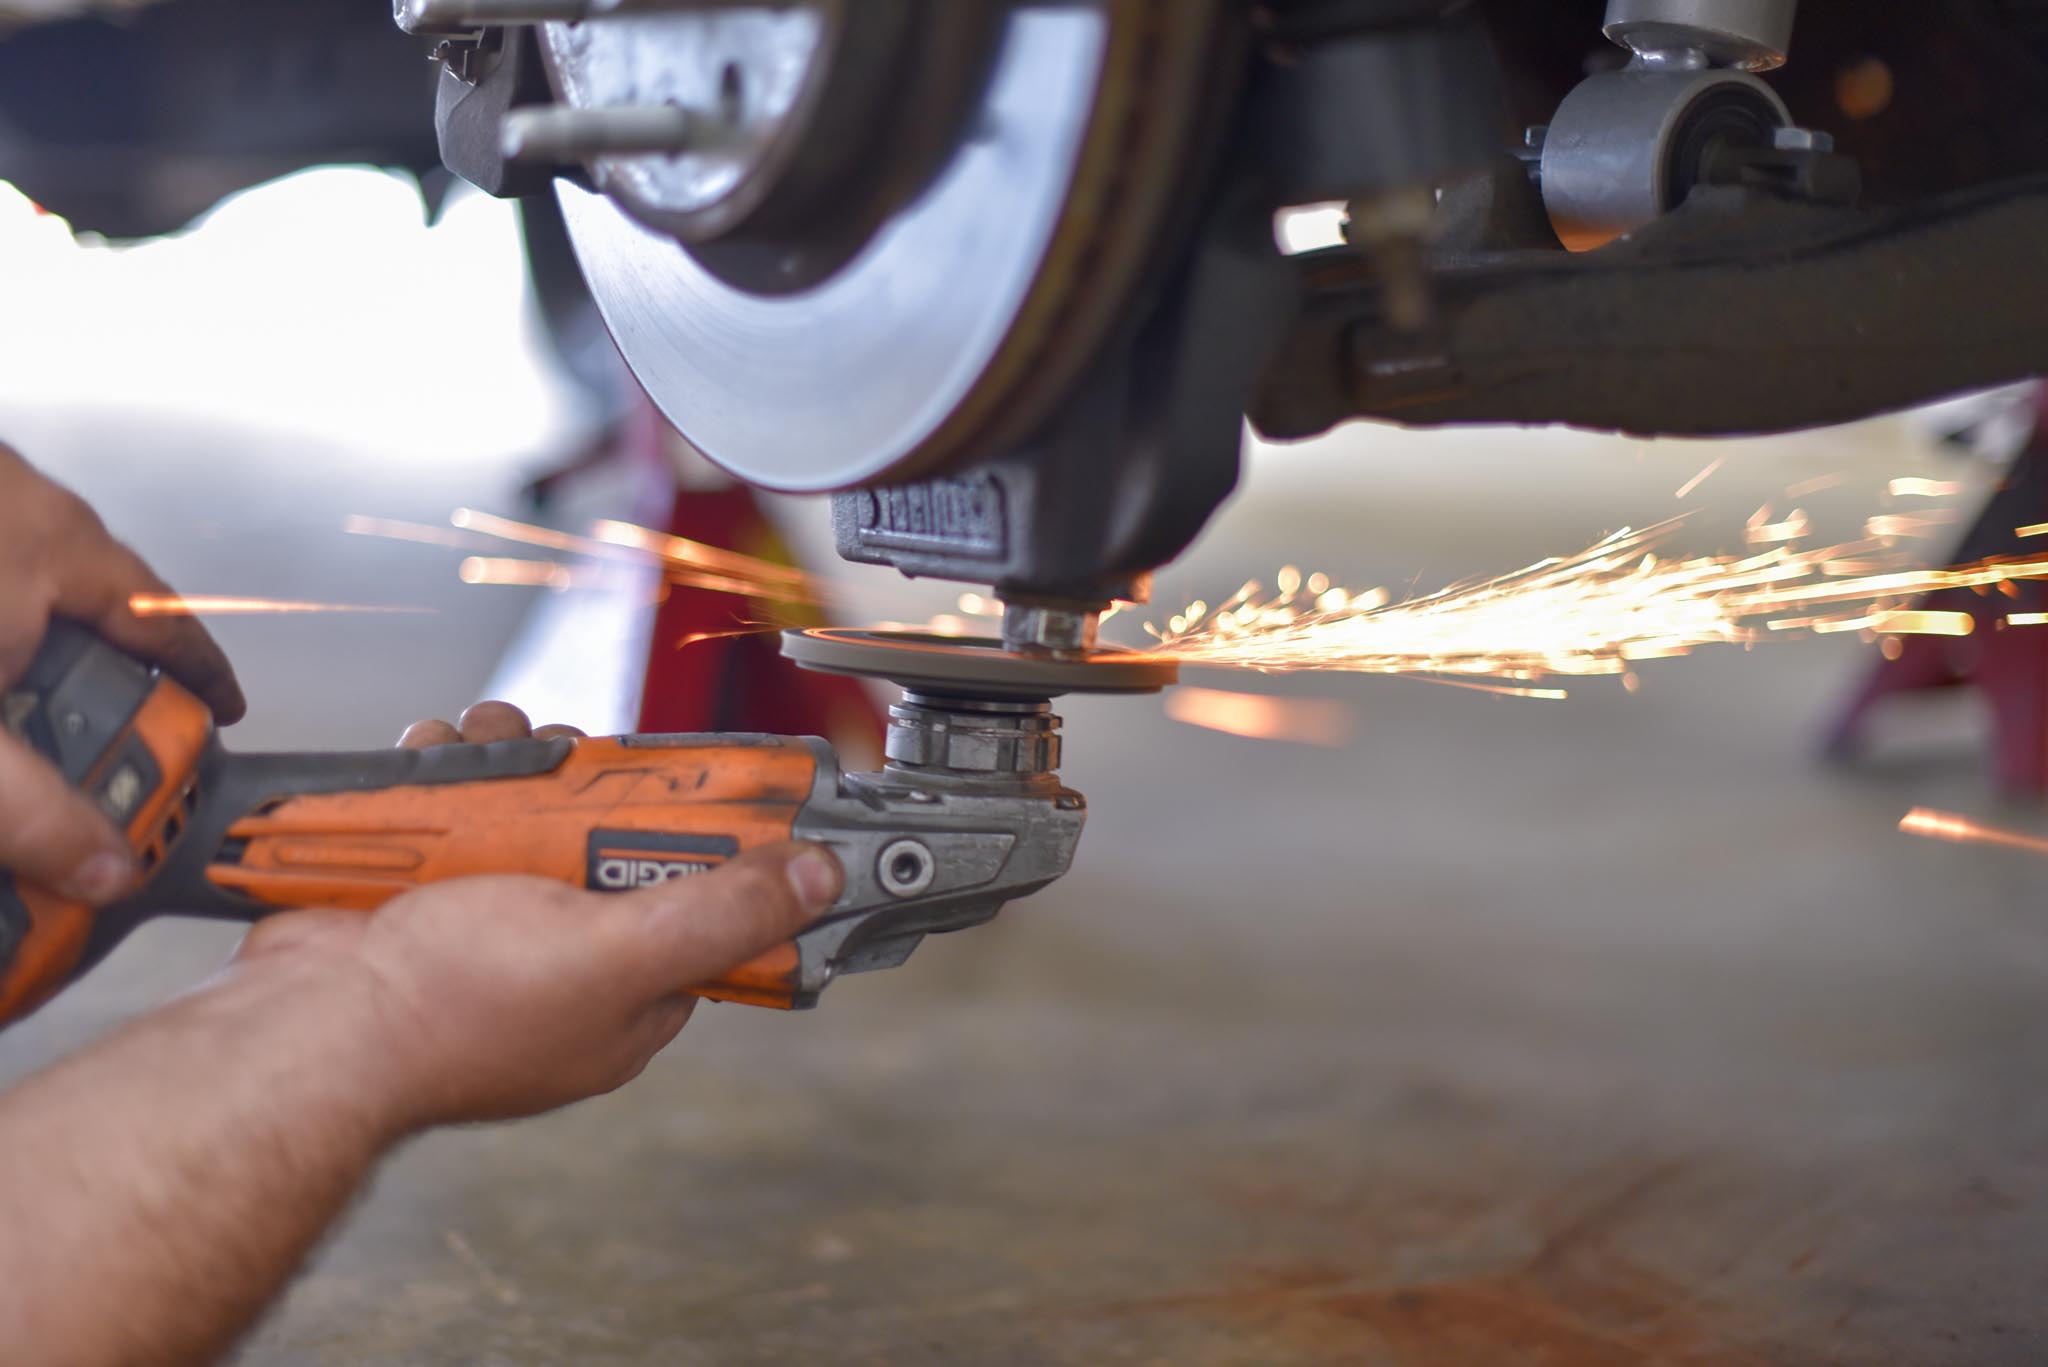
x=979 y=667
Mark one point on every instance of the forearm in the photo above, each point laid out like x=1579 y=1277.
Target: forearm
x=158 y=1189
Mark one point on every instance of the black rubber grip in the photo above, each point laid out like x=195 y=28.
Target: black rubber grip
x=244 y=782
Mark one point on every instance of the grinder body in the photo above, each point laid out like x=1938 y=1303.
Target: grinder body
x=238 y=837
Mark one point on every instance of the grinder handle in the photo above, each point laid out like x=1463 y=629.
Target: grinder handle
x=238 y=837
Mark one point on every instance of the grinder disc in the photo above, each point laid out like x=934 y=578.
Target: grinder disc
x=924 y=662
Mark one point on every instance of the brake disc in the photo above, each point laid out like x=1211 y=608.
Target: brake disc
x=807 y=361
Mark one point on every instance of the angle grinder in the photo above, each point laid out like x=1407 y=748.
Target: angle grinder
x=967 y=813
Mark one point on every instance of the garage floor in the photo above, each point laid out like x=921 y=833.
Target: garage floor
x=1605 y=1031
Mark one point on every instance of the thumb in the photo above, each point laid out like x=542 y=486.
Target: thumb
x=52 y=835
x=694 y=929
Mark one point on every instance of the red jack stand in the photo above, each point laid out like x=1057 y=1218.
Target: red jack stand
x=2009 y=664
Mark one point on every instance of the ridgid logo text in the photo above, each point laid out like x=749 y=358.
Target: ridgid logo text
x=616 y=873
x=618 y=861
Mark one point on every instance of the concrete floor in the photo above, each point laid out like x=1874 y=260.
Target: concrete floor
x=1605 y=1031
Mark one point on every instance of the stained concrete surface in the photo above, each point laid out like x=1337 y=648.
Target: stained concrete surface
x=1605 y=1031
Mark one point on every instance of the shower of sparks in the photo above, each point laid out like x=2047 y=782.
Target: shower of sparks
x=676 y=552
x=1599 y=612
x=1963 y=831
x=1685 y=489
x=690 y=564
x=1305 y=721
x=204 y=605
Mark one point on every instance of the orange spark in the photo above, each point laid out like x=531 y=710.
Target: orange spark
x=2032 y=529
x=1702 y=477
x=1908 y=524
x=1924 y=623
x=1304 y=721
x=699 y=637
x=505 y=529
x=983 y=605
x=205 y=605
x=1910 y=487
x=499 y=569
x=395 y=529
x=1505 y=691
x=1815 y=485
x=2027 y=619
x=1793 y=528
x=1963 y=831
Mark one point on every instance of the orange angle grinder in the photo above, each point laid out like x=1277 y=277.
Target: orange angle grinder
x=967 y=813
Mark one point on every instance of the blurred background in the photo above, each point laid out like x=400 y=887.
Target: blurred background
x=1487 y=1030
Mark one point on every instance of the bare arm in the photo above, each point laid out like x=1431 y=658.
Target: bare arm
x=162 y=1185
x=159 y=1189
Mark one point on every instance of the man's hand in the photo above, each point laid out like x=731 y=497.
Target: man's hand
x=489 y=998
x=499 y=997
x=57 y=559
x=481 y=724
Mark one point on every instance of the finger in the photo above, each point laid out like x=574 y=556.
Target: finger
x=559 y=731
x=301 y=930
x=422 y=734
x=691 y=930
x=52 y=834
x=98 y=581
x=489 y=721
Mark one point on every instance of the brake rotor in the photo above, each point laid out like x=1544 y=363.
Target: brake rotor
x=965 y=314
x=971 y=666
